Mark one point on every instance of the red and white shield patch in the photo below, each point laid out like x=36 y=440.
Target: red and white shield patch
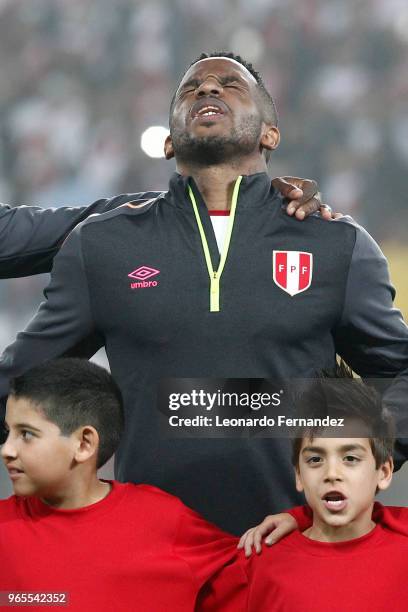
x=292 y=270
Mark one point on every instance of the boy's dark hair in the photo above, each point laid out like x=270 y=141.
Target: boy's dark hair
x=338 y=394
x=73 y=393
x=268 y=103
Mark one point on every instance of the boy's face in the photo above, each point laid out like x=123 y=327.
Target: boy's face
x=37 y=456
x=340 y=479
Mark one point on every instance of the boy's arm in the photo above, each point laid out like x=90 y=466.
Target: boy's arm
x=202 y=545
x=274 y=527
x=213 y=559
x=393 y=517
x=63 y=321
x=226 y=591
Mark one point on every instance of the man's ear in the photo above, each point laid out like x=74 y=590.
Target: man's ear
x=270 y=137
x=168 y=148
x=385 y=474
x=299 y=485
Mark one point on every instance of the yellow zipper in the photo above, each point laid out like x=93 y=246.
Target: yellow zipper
x=215 y=275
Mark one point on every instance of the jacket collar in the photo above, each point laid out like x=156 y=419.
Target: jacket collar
x=255 y=190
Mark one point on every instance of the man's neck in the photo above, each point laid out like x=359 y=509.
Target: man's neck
x=216 y=183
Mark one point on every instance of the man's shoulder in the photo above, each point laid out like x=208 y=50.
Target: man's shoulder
x=345 y=224
x=348 y=225
x=121 y=206
x=315 y=224
x=114 y=202
x=345 y=233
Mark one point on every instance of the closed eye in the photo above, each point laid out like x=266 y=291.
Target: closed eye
x=231 y=82
x=189 y=86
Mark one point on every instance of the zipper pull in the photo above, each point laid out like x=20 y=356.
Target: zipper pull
x=215 y=293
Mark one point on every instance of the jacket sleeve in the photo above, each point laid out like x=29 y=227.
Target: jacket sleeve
x=372 y=336
x=62 y=322
x=31 y=236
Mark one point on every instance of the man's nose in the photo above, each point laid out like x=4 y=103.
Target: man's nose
x=209 y=87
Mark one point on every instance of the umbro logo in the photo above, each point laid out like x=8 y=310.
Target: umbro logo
x=142 y=274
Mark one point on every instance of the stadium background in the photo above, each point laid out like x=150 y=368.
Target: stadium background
x=81 y=80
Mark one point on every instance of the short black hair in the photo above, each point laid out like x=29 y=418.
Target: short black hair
x=73 y=393
x=336 y=393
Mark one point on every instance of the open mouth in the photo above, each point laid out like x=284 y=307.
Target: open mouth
x=207 y=110
x=14 y=472
x=334 y=500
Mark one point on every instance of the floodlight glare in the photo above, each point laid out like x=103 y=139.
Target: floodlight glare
x=152 y=140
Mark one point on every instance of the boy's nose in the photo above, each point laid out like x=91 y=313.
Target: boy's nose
x=7 y=450
x=333 y=471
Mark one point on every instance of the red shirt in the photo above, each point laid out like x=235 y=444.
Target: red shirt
x=139 y=549
x=367 y=574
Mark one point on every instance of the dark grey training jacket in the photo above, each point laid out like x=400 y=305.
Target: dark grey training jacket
x=171 y=328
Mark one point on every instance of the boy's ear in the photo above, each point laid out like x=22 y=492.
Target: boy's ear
x=87 y=443
x=299 y=484
x=385 y=474
x=168 y=148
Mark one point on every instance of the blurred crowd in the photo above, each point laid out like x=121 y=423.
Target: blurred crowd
x=80 y=80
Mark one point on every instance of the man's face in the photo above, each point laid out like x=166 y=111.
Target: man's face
x=37 y=456
x=340 y=479
x=217 y=113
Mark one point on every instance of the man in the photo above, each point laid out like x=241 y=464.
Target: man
x=170 y=301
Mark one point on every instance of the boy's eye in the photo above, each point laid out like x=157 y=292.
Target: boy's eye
x=313 y=460
x=26 y=435
x=351 y=459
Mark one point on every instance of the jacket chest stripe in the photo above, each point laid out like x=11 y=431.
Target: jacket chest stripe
x=215 y=275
